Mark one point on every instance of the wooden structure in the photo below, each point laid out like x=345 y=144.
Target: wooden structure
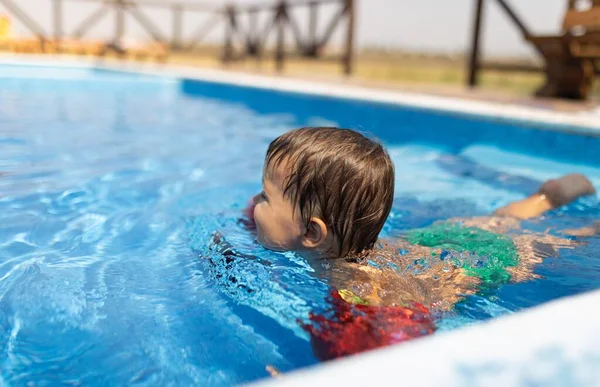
x=569 y=57
x=281 y=21
x=74 y=43
x=253 y=39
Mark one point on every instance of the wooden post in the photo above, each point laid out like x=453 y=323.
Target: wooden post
x=146 y=23
x=349 y=56
x=119 y=20
x=312 y=29
x=252 y=36
x=280 y=50
x=474 y=62
x=176 y=39
x=58 y=21
x=229 y=31
x=257 y=38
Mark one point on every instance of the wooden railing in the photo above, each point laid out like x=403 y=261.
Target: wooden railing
x=476 y=65
x=279 y=21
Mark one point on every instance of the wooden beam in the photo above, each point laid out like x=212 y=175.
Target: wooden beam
x=587 y=19
x=93 y=1
x=204 y=30
x=293 y=4
x=201 y=7
x=349 y=55
x=148 y=24
x=253 y=24
x=280 y=48
x=295 y=30
x=31 y=24
x=177 y=30
x=313 y=24
x=251 y=36
x=89 y=22
x=267 y=30
x=230 y=28
x=337 y=18
x=189 y=6
x=475 y=45
x=517 y=21
x=119 y=20
x=58 y=27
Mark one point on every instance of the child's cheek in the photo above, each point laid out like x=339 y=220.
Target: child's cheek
x=258 y=214
x=261 y=221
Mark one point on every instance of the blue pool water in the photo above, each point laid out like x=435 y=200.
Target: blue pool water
x=111 y=185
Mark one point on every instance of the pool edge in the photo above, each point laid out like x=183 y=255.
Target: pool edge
x=502 y=351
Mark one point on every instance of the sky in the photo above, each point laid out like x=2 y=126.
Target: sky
x=433 y=26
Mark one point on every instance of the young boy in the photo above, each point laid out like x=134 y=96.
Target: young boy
x=326 y=195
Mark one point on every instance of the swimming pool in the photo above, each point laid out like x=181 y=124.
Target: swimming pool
x=112 y=183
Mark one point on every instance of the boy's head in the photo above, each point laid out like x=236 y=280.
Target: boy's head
x=326 y=191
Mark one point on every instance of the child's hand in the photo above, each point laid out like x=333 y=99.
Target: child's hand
x=566 y=189
x=552 y=194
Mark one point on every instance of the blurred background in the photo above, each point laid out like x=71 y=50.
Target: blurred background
x=422 y=45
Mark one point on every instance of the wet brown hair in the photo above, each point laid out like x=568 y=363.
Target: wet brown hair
x=339 y=176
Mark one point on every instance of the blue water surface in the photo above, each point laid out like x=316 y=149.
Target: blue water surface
x=112 y=186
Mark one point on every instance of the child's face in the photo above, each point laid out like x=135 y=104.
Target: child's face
x=278 y=221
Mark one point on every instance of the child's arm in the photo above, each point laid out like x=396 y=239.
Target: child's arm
x=533 y=249
x=552 y=194
x=588 y=231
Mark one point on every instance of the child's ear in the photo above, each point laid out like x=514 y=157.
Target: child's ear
x=316 y=233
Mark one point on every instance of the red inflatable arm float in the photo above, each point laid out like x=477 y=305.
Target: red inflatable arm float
x=357 y=328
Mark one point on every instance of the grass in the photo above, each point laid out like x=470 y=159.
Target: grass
x=385 y=70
